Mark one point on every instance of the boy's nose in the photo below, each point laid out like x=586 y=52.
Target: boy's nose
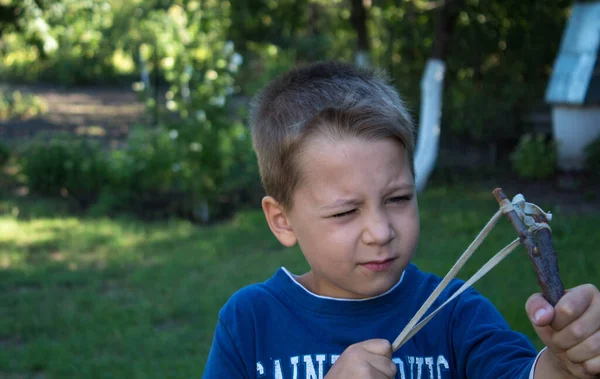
x=378 y=230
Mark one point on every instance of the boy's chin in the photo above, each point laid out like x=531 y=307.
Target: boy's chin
x=352 y=286
x=380 y=290
x=379 y=287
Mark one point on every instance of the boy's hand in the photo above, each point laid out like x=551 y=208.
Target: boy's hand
x=371 y=359
x=571 y=331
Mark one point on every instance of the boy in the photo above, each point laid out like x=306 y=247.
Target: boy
x=335 y=150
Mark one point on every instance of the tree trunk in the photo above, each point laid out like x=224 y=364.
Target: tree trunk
x=432 y=90
x=445 y=18
x=359 y=23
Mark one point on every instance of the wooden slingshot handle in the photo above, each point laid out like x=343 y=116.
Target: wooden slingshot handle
x=540 y=250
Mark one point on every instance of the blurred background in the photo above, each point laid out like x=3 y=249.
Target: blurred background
x=129 y=192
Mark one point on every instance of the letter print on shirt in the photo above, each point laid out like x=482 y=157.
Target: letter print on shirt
x=315 y=366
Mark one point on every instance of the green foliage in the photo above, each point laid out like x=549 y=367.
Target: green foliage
x=62 y=163
x=14 y=104
x=147 y=164
x=497 y=61
x=44 y=164
x=87 y=170
x=154 y=177
x=61 y=41
x=534 y=157
x=208 y=53
x=4 y=154
x=592 y=157
x=187 y=42
x=496 y=65
x=469 y=112
x=265 y=61
x=144 y=177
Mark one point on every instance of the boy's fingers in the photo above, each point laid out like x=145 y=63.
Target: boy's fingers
x=586 y=350
x=592 y=366
x=578 y=331
x=572 y=305
x=383 y=364
x=378 y=347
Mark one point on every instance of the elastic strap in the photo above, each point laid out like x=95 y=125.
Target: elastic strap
x=524 y=210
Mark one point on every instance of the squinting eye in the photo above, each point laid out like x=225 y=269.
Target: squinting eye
x=400 y=199
x=338 y=215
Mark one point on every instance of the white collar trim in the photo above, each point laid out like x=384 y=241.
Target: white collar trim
x=293 y=278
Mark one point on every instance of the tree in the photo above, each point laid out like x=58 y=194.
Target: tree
x=359 y=23
x=432 y=88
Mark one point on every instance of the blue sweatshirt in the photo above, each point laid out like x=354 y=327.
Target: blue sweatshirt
x=280 y=330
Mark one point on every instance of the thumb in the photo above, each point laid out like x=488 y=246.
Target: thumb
x=378 y=346
x=541 y=314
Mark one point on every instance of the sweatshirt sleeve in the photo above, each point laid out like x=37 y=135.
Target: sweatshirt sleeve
x=224 y=359
x=484 y=344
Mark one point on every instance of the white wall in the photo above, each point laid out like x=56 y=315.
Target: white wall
x=574 y=128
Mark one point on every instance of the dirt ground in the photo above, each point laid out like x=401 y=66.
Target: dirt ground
x=109 y=113
x=94 y=111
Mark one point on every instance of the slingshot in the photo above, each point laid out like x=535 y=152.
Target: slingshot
x=531 y=224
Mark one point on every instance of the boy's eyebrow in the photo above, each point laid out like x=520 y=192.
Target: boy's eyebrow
x=354 y=202
x=402 y=186
x=340 y=203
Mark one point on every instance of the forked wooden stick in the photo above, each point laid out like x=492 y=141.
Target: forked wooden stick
x=540 y=250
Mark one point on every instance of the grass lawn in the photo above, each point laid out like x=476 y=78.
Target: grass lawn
x=118 y=298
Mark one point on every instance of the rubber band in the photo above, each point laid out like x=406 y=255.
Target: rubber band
x=449 y=276
x=478 y=275
x=524 y=211
x=506 y=206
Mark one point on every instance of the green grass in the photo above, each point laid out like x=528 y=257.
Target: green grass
x=95 y=298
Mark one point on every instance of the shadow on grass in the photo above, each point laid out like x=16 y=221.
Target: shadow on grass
x=81 y=296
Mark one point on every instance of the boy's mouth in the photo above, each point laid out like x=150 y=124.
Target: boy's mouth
x=378 y=266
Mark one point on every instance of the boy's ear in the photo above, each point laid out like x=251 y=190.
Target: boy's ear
x=278 y=221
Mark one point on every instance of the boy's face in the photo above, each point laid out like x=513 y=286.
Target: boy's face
x=355 y=216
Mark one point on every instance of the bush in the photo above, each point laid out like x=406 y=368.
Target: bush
x=592 y=157
x=60 y=163
x=534 y=157
x=160 y=175
x=145 y=177
x=147 y=164
x=44 y=165
x=201 y=126
x=86 y=171
x=4 y=154
x=240 y=185
x=18 y=105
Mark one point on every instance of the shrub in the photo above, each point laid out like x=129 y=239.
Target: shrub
x=147 y=164
x=44 y=165
x=18 y=105
x=534 y=157
x=86 y=171
x=144 y=177
x=162 y=173
x=201 y=125
x=592 y=157
x=60 y=162
x=240 y=184
x=4 y=154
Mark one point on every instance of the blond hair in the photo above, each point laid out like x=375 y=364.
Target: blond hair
x=328 y=99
